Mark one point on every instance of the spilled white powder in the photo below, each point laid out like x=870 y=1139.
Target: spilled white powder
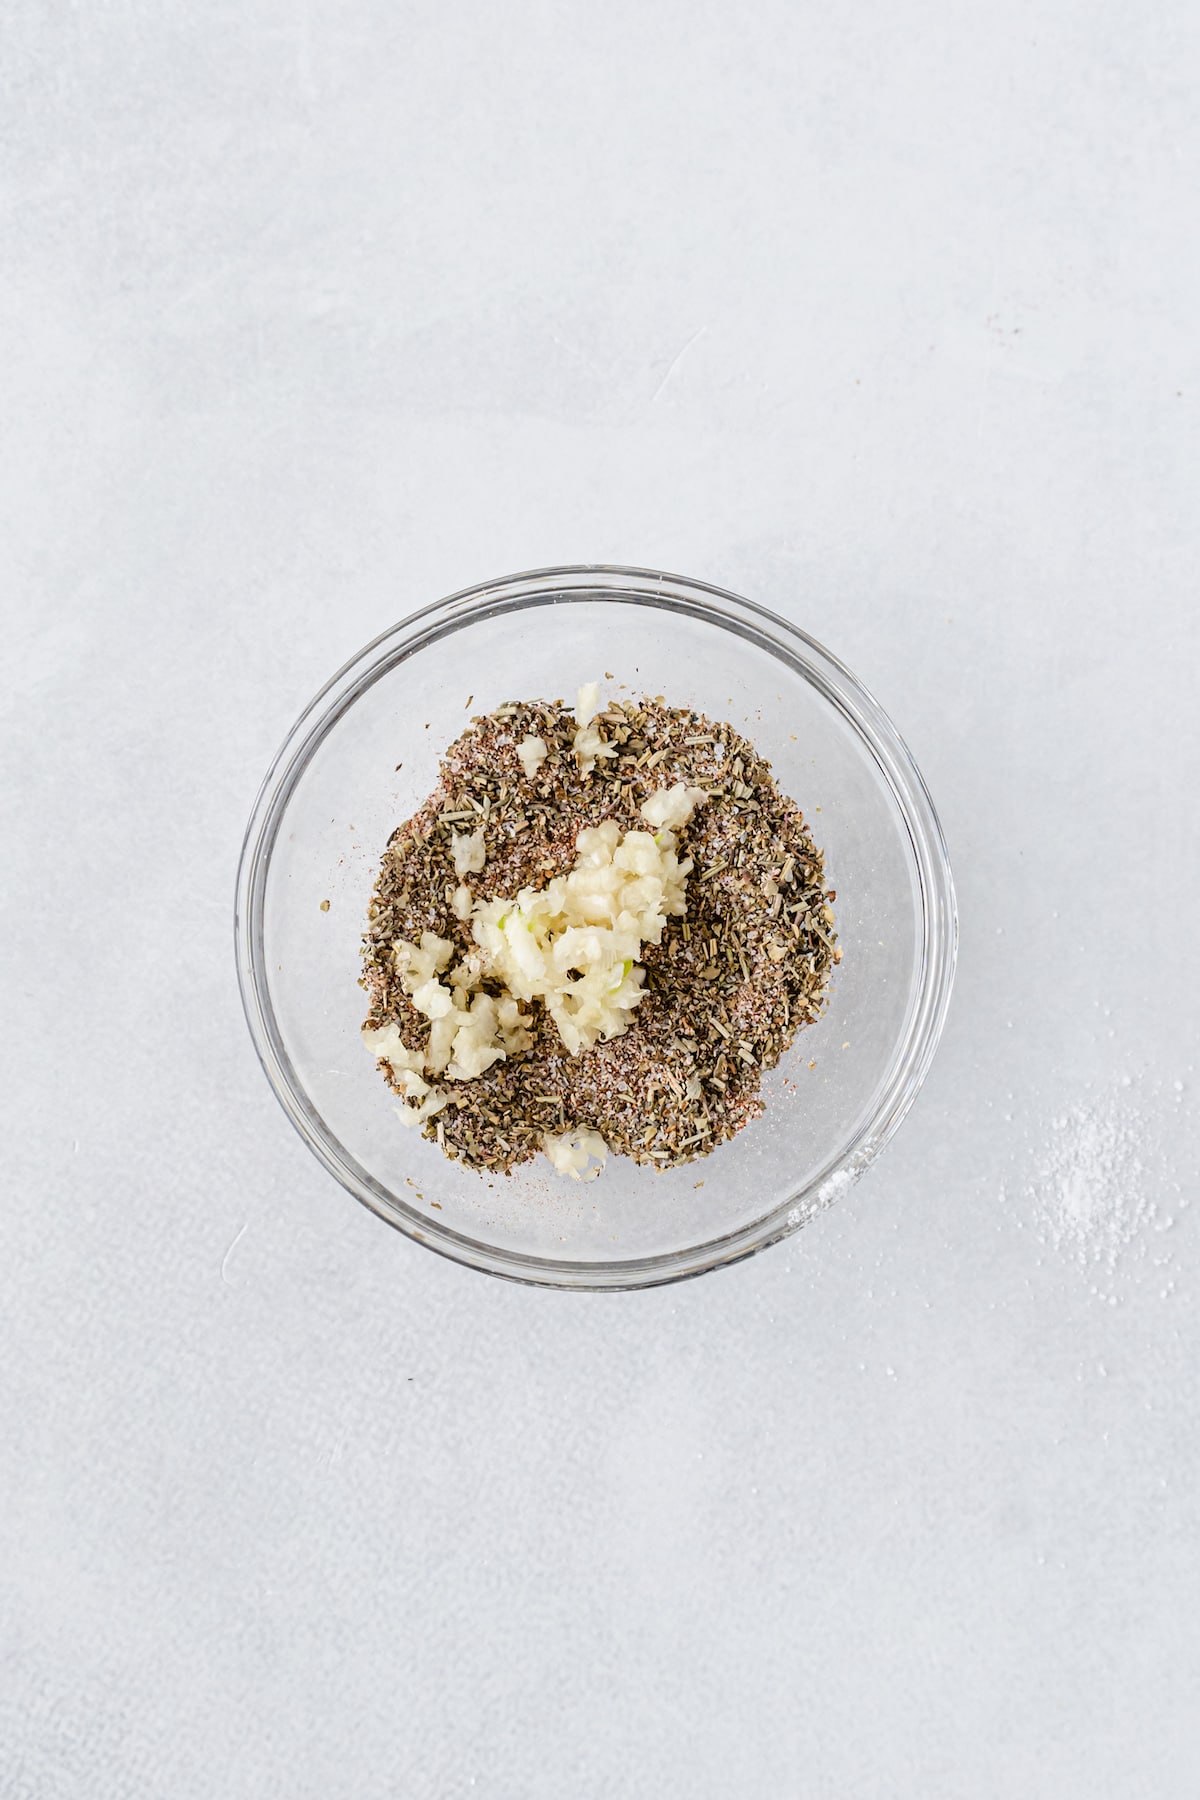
x=826 y=1194
x=837 y=1183
x=1089 y=1190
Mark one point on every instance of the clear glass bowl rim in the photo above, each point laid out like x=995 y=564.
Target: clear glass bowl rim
x=803 y=656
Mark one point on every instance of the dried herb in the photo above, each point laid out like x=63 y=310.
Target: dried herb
x=726 y=991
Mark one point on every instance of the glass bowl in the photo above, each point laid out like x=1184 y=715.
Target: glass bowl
x=362 y=758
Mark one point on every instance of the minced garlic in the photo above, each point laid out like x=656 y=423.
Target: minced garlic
x=575 y=945
x=469 y=852
x=572 y=1151
x=533 y=752
x=588 y=743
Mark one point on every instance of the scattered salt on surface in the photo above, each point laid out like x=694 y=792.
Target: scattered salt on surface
x=1090 y=1187
x=827 y=1193
x=837 y=1184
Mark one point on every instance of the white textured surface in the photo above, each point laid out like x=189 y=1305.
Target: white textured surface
x=885 y=316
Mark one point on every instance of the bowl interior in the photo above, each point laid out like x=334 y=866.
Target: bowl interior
x=367 y=763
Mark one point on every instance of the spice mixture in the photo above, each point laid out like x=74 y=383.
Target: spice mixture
x=727 y=988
